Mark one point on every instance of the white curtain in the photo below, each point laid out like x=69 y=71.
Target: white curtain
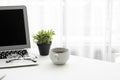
x=115 y=40
x=87 y=28
x=81 y=26
x=85 y=23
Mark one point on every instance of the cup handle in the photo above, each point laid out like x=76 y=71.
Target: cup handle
x=56 y=57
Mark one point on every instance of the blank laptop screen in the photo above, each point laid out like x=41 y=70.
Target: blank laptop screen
x=13 y=28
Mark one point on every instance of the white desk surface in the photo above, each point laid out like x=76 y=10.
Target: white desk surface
x=77 y=68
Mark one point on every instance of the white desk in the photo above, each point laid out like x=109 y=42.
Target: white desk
x=77 y=68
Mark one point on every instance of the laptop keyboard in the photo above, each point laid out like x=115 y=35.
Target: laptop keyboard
x=16 y=58
x=13 y=53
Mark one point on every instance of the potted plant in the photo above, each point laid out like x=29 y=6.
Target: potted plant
x=43 y=39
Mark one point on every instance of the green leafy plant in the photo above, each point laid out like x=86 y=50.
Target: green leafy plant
x=44 y=36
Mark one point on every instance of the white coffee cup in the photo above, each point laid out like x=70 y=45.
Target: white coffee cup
x=59 y=55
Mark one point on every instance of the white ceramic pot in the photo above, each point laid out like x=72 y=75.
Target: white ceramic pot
x=59 y=55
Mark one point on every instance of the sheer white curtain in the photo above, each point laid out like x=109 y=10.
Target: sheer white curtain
x=115 y=42
x=80 y=25
x=86 y=27
x=83 y=26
